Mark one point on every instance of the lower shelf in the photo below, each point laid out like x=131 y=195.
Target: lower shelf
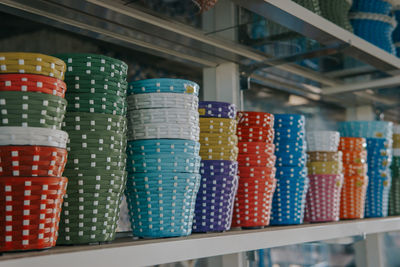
x=158 y=251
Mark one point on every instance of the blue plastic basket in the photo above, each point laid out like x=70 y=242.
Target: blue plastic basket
x=162 y=204
x=179 y=162
x=396 y=32
x=289 y=121
x=292 y=183
x=372 y=6
x=156 y=146
x=377 y=198
x=375 y=31
x=291 y=160
x=289 y=201
x=163 y=85
x=366 y=129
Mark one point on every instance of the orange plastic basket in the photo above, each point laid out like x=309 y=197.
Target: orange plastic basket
x=352 y=200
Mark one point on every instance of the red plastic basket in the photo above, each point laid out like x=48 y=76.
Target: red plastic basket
x=30 y=212
x=32 y=161
x=32 y=83
x=256 y=148
x=253 y=202
x=256 y=119
x=253 y=160
x=257 y=172
x=255 y=134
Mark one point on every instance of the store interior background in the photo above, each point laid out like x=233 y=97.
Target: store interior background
x=20 y=34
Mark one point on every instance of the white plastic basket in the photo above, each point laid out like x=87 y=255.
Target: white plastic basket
x=163 y=100
x=323 y=141
x=34 y=136
x=163 y=115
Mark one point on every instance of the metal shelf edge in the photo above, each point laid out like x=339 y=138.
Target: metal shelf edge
x=158 y=251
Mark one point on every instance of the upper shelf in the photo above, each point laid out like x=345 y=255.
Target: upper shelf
x=305 y=22
x=126 y=252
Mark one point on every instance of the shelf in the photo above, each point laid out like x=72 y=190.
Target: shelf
x=305 y=22
x=113 y=21
x=151 y=252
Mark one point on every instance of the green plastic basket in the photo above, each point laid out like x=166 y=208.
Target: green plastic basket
x=337 y=11
x=313 y=5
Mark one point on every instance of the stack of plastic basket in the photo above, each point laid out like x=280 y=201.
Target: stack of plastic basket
x=32 y=150
x=394 y=199
x=371 y=21
x=96 y=125
x=312 y=5
x=292 y=182
x=396 y=32
x=219 y=180
x=379 y=143
x=355 y=182
x=163 y=156
x=338 y=12
x=325 y=174
x=256 y=170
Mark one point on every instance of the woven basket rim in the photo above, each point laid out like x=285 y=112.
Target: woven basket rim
x=373 y=16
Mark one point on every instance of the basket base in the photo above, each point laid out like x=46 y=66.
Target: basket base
x=253 y=227
x=24 y=250
x=90 y=244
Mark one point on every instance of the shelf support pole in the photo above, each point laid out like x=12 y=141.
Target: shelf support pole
x=369 y=252
x=364 y=113
x=222 y=82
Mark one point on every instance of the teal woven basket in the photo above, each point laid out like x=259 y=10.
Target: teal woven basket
x=337 y=11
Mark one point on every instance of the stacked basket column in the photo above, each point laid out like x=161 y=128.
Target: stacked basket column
x=337 y=12
x=32 y=150
x=256 y=170
x=372 y=21
x=354 y=157
x=163 y=156
x=396 y=32
x=394 y=200
x=219 y=180
x=292 y=183
x=96 y=125
x=379 y=143
x=325 y=174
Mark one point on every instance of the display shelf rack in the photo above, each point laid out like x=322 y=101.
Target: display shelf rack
x=129 y=252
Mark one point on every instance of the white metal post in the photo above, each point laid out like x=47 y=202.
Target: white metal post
x=365 y=113
x=222 y=84
x=369 y=253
